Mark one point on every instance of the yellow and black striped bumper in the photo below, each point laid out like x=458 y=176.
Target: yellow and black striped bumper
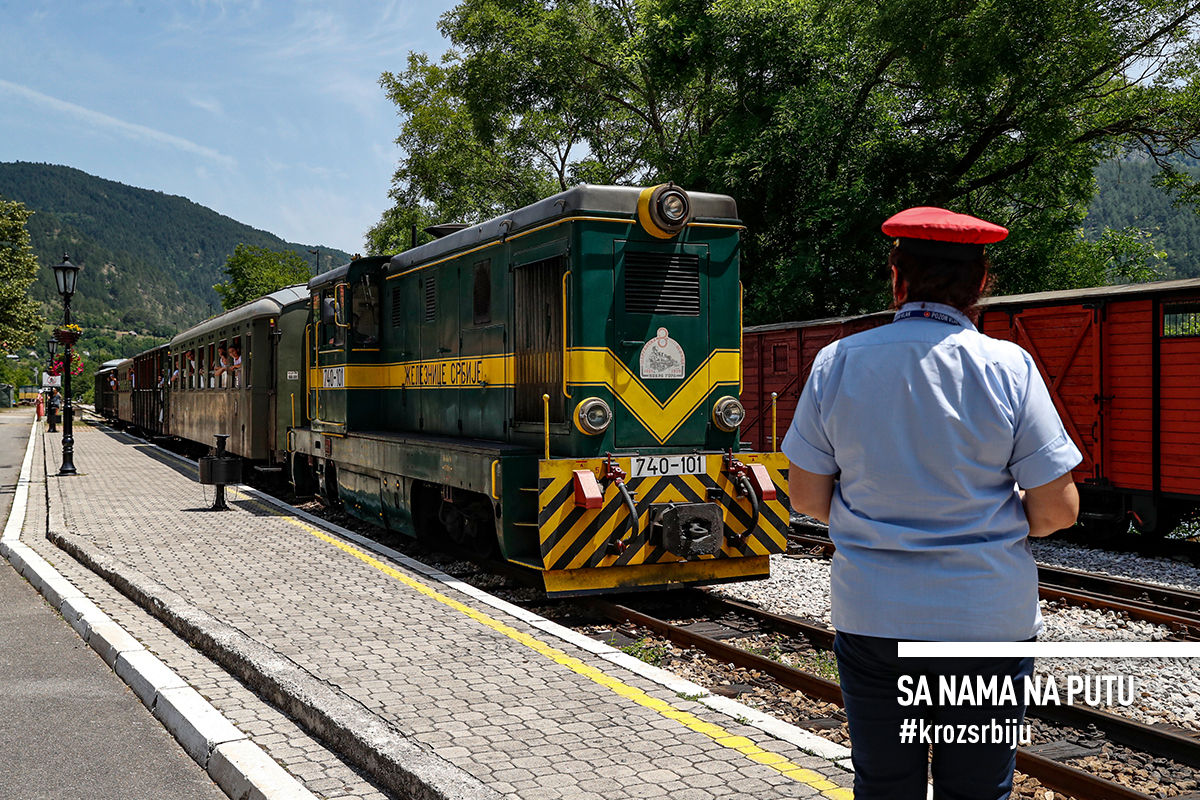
x=575 y=551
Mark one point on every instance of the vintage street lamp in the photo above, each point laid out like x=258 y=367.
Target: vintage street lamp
x=65 y=275
x=52 y=349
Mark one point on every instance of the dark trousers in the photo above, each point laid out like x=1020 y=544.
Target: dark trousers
x=52 y=417
x=884 y=767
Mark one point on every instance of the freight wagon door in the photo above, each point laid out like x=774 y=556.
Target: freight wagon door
x=1066 y=343
x=1179 y=400
x=661 y=343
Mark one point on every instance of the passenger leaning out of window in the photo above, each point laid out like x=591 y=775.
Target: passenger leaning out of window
x=933 y=452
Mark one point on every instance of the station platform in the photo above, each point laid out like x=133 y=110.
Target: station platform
x=368 y=675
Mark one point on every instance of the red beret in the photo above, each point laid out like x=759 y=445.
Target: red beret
x=938 y=233
x=938 y=224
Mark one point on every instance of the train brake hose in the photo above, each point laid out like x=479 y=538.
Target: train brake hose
x=619 y=545
x=743 y=482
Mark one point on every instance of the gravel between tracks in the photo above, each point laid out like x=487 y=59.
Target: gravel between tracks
x=1168 y=689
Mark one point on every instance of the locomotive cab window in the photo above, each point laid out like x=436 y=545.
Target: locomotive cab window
x=364 y=317
x=333 y=328
x=1181 y=319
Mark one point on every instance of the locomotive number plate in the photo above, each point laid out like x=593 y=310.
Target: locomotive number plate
x=654 y=466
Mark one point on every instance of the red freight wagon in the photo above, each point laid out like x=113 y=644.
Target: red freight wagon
x=1123 y=367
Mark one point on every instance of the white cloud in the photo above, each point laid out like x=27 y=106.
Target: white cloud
x=130 y=129
x=211 y=106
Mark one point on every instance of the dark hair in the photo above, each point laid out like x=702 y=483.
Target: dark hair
x=942 y=280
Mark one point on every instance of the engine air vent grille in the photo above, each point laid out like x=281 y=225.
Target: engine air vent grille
x=662 y=283
x=397 y=312
x=430 y=298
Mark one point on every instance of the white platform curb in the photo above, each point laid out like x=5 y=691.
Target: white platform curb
x=237 y=765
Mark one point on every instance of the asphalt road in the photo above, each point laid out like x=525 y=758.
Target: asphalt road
x=69 y=727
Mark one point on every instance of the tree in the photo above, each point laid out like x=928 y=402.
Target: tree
x=19 y=317
x=819 y=118
x=256 y=271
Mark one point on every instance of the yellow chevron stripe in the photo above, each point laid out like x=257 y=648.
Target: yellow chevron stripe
x=601 y=367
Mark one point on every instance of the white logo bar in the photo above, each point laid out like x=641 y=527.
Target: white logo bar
x=1049 y=649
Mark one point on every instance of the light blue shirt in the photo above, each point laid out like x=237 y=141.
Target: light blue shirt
x=932 y=426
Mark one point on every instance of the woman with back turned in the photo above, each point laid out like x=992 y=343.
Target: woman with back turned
x=933 y=452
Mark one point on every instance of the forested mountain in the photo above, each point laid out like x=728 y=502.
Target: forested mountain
x=150 y=259
x=1127 y=197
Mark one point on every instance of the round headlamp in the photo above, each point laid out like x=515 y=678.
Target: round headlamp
x=593 y=416
x=728 y=414
x=664 y=210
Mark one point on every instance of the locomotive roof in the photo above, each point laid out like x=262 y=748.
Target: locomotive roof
x=262 y=307
x=1030 y=299
x=607 y=200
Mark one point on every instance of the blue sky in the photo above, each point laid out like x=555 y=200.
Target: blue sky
x=267 y=112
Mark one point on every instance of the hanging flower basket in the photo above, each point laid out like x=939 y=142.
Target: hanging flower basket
x=68 y=334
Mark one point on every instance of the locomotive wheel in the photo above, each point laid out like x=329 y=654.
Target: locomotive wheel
x=304 y=483
x=328 y=486
x=468 y=523
x=1105 y=530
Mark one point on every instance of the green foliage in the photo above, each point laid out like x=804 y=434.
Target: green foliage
x=256 y=271
x=821 y=119
x=1128 y=197
x=651 y=651
x=19 y=318
x=149 y=259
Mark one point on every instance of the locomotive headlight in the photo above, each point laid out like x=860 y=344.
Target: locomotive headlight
x=728 y=414
x=664 y=210
x=674 y=206
x=593 y=416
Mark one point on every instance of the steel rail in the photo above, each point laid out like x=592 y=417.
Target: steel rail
x=1142 y=601
x=1054 y=775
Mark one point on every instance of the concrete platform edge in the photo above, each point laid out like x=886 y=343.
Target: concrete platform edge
x=340 y=721
x=805 y=740
x=111 y=641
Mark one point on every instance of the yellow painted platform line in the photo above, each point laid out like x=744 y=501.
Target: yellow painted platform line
x=715 y=732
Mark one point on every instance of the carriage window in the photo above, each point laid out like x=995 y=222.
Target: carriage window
x=364 y=319
x=1181 y=319
x=189 y=367
x=244 y=372
x=221 y=366
x=210 y=381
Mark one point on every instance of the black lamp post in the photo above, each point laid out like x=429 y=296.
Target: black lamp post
x=64 y=276
x=52 y=349
x=317 y=262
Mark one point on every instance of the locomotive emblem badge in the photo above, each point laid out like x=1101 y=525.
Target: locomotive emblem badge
x=662 y=357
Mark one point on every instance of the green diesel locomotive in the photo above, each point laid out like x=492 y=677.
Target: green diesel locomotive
x=558 y=385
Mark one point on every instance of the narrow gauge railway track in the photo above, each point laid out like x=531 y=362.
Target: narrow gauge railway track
x=1178 y=609
x=1052 y=774
x=1158 y=741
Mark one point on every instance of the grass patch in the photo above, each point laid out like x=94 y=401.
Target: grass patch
x=648 y=650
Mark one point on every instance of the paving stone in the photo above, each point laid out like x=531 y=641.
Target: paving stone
x=522 y=723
